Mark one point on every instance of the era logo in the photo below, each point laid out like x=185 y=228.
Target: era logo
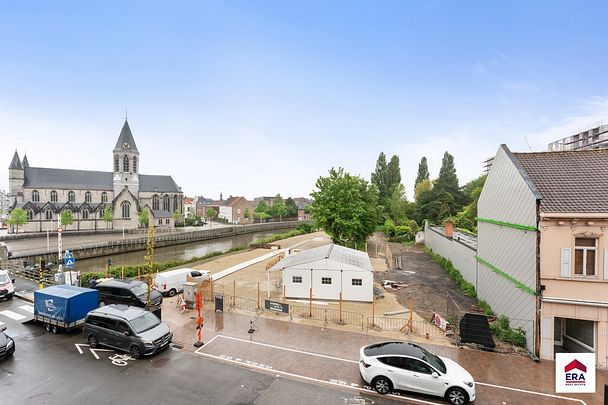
x=572 y=373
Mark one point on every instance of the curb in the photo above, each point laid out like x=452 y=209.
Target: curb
x=24 y=297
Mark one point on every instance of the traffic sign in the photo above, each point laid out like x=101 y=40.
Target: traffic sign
x=59 y=230
x=69 y=262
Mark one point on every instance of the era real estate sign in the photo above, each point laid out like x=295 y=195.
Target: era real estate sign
x=575 y=372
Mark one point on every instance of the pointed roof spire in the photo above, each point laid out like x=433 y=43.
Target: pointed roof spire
x=16 y=162
x=125 y=139
x=25 y=163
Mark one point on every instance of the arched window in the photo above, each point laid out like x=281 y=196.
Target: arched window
x=104 y=197
x=116 y=164
x=71 y=196
x=135 y=164
x=175 y=206
x=125 y=164
x=155 y=202
x=53 y=196
x=30 y=215
x=126 y=209
x=48 y=214
x=35 y=196
x=85 y=214
x=166 y=202
x=87 y=197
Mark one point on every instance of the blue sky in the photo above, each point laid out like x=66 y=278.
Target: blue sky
x=259 y=97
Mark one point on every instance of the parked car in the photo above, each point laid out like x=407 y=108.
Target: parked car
x=7 y=288
x=406 y=366
x=127 y=292
x=63 y=306
x=130 y=329
x=171 y=282
x=7 y=344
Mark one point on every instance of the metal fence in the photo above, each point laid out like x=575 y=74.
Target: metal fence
x=327 y=315
x=242 y=303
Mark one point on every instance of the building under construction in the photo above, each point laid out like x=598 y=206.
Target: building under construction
x=595 y=136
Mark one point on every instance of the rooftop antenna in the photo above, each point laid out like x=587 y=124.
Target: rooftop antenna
x=526 y=139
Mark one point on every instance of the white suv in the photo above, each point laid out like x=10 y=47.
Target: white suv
x=405 y=366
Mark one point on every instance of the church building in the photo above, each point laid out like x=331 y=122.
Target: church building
x=44 y=193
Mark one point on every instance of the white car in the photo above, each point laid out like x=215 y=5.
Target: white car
x=7 y=289
x=406 y=366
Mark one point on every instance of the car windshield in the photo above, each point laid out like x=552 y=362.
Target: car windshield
x=145 y=322
x=140 y=289
x=433 y=360
x=4 y=279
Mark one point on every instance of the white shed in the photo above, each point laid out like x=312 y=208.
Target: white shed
x=327 y=271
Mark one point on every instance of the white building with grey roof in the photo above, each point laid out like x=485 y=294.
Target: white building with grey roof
x=44 y=192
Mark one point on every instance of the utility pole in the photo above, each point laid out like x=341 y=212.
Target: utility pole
x=59 y=247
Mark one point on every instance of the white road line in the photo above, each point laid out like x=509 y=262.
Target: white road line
x=273 y=371
x=206 y=344
x=290 y=350
x=12 y=315
x=2 y=323
x=531 y=392
x=28 y=308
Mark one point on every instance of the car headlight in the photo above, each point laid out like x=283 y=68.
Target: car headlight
x=147 y=342
x=10 y=343
x=469 y=383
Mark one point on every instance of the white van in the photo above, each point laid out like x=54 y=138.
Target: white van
x=7 y=289
x=171 y=282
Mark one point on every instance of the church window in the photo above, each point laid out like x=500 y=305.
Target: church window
x=175 y=207
x=35 y=196
x=85 y=214
x=71 y=196
x=126 y=209
x=87 y=197
x=53 y=196
x=48 y=214
x=155 y=203
x=166 y=203
x=104 y=197
x=30 y=215
x=116 y=164
x=125 y=164
x=135 y=164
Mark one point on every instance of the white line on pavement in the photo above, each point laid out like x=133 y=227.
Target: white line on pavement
x=12 y=315
x=28 y=308
x=2 y=323
x=206 y=344
x=531 y=392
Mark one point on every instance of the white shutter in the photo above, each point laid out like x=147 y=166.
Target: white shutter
x=565 y=263
x=605 y=264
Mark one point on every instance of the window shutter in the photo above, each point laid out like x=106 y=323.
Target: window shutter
x=605 y=264
x=565 y=263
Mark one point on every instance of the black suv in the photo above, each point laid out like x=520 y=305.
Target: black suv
x=7 y=344
x=127 y=292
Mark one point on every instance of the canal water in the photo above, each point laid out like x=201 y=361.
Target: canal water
x=176 y=252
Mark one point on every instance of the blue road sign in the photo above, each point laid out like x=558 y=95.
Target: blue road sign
x=69 y=262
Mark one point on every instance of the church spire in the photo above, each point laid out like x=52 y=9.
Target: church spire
x=16 y=162
x=25 y=163
x=125 y=139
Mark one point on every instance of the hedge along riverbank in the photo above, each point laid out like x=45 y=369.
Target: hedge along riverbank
x=141 y=269
x=501 y=329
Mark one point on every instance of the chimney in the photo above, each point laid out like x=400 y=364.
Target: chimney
x=449 y=230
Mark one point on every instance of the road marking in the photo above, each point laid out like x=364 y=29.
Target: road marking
x=12 y=315
x=2 y=323
x=207 y=344
x=99 y=350
x=28 y=308
x=310 y=378
x=78 y=346
x=532 y=392
x=290 y=350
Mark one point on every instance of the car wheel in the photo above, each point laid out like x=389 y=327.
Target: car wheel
x=55 y=329
x=382 y=385
x=93 y=341
x=172 y=292
x=47 y=327
x=135 y=352
x=457 y=396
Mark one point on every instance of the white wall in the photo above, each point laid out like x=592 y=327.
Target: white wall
x=341 y=281
x=226 y=213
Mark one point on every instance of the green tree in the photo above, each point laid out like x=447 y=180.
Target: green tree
x=261 y=207
x=107 y=216
x=467 y=217
x=18 y=217
x=211 y=214
x=346 y=207
x=448 y=180
x=423 y=172
x=177 y=216
x=278 y=209
x=397 y=205
x=380 y=179
x=292 y=207
x=423 y=197
x=247 y=214
x=67 y=218
x=144 y=216
x=393 y=176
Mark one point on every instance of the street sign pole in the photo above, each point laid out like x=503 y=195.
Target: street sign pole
x=59 y=246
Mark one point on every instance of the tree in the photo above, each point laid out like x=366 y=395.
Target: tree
x=278 y=209
x=67 y=217
x=380 y=178
x=467 y=217
x=397 y=205
x=261 y=207
x=346 y=207
x=292 y=207
x=144 y=216
x=423 y=172
x=107 y=216
x=447 y=182
x=393 y=174
x=18 y=217
x=247 y=214
x=211 y=214
x=177 y=216
x=423 y=196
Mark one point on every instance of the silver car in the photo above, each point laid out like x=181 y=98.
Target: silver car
x=130 y=329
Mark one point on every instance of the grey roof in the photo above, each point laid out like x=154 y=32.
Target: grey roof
x=161 y=214
x=164 y=184
x=336 y=253
x=569 y=181
x=16 y=162
x=25 y=163
x=125 y=137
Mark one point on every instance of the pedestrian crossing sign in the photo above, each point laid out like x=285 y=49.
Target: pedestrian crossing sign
x=69 y=262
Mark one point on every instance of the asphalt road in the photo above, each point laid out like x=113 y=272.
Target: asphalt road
x=51 y=369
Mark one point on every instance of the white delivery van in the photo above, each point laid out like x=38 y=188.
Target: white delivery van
x=7 y=289
x=171 y=282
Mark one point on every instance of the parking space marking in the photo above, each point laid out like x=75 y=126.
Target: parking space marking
x=13 y=315
x=206 y=344
x=28 y=308
x=531 y=392
x=303 y=377
x=2 y=323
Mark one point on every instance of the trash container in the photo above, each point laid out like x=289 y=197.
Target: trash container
x=219 y=303
x=190 y=289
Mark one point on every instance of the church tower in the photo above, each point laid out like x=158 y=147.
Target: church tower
x=16 y=179
x=125 y=159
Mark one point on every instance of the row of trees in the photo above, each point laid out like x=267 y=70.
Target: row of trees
x=278 y=209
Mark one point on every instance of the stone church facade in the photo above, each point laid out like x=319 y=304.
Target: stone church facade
x=44 y=193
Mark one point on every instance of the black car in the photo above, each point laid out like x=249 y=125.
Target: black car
x=7 y=344
x=128 y=292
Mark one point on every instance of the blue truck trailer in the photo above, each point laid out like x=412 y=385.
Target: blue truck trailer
x=64 y=306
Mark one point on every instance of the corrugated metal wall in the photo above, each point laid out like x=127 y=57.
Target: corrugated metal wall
x=461 y=256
